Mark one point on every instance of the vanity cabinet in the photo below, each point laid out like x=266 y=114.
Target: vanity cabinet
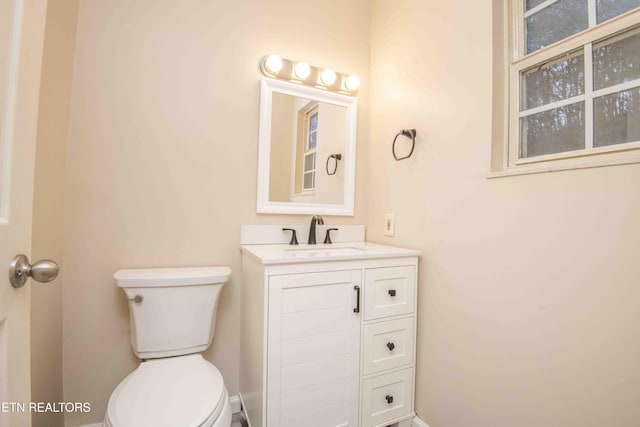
x=328 y=344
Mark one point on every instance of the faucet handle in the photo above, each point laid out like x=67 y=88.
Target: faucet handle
x=294 y=238
x=327 y=238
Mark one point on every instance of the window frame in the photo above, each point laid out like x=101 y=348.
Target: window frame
x=517 y=62
x=308 y=151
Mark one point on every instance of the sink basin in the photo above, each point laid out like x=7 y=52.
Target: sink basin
x=290 y=254
x=322 y=251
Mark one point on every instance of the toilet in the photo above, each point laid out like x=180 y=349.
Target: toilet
x=172 y=312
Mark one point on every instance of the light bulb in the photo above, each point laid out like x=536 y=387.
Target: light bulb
x=328 y=76
x=302 y=70
x=273 y=64
x=352 y=83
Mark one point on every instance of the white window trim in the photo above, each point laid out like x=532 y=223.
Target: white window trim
x=517 y=62
x=314 y=109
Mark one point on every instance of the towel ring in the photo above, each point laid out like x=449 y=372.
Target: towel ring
x=409 y=133
x=335 y=169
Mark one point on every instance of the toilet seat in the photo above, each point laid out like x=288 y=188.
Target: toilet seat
x=178 y=391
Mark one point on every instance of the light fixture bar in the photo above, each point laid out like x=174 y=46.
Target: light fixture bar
x=304 y=73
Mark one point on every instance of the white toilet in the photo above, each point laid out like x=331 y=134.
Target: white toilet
x=173 y=314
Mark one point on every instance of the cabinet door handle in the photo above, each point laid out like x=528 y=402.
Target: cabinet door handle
x=392 y=292
x=357 y=289
x=391 y=346
x=389 y=399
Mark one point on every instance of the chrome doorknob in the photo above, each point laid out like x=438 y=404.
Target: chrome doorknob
x=42 y=271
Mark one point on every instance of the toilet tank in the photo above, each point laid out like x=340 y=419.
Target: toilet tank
x=172 y=311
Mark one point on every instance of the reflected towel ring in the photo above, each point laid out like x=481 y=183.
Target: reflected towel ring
x=335 y=169
x=409 y=133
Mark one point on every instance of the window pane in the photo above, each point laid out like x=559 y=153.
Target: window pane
x=312 y=140
x=607 y=9
x=309 y=179
x=553 y=131
x=617 y=118
x=309 y=162
x=556 y=22
x=553 y=81
x=313 y=125
x=530 y=4
x=616 y=60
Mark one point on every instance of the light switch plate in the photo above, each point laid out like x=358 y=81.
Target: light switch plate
x=389 y=224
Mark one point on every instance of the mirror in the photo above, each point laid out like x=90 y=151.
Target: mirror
x=307 y=146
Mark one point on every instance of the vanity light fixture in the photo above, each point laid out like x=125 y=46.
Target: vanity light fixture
x=352 y=83
x=301 y=72
x=273 y=64
x=328 y=77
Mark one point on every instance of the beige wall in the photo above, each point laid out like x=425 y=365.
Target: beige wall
x=529 y=296
x=162 y=156
x=53 y=119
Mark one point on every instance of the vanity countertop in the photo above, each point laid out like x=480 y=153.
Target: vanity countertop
x=289 y=254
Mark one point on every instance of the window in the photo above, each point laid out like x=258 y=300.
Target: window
x=574 y=79
x=310 y=143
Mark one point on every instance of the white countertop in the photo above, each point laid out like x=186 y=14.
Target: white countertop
x=288 y=254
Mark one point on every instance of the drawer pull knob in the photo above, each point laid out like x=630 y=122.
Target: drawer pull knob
x=389 y=399
x=392 y=292
x=391 y=346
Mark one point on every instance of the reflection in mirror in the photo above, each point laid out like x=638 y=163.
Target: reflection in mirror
x=304 y=133
x=307 y=150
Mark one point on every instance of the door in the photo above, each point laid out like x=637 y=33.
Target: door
x=313 y=349
x=21 y=42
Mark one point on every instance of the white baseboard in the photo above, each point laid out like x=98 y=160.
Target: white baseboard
x=235 y=404
x=243 y=410
x=417 y=422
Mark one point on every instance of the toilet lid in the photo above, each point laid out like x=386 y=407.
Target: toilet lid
x=176 y=391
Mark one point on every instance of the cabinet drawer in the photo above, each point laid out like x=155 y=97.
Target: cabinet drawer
x=387 y=345
x=389 y=291
x=387 y=397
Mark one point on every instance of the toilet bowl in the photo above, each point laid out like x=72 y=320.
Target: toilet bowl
x=178 y=391
x=172 y=314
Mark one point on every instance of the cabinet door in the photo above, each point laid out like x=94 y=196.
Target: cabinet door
x=313 y=350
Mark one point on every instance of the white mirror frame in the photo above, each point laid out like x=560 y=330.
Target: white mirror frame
x=267 y=87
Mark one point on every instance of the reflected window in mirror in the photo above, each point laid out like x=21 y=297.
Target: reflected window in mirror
x=311 y=139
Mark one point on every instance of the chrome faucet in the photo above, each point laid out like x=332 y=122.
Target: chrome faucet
x=316 y=219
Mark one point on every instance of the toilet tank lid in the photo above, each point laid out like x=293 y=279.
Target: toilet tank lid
x=158 y=277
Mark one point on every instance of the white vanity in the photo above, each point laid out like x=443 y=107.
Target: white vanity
x=328 y=331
